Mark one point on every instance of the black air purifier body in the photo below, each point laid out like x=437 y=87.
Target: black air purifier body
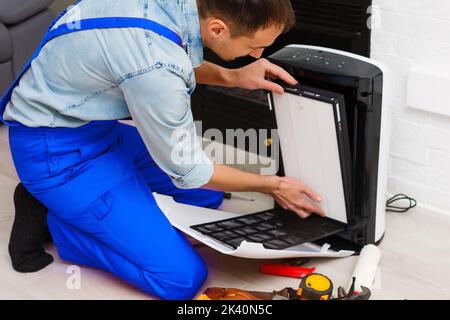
x=340 y=151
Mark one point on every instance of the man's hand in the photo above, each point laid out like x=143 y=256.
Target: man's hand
x=250 y=77
x=254 y=76
x=293 y=195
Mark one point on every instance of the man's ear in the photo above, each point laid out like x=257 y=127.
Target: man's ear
x=217 y=28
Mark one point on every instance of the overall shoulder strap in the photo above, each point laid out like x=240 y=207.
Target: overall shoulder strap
x=111 y=23
x=89 y=24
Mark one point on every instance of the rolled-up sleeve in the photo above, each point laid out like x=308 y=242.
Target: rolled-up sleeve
x=159 y=102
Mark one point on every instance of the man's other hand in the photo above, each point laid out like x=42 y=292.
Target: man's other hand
x=254 y=76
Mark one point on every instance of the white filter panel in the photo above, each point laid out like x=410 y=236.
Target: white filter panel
x=310 y=149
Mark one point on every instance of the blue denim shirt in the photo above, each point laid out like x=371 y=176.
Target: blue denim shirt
x=111 y=74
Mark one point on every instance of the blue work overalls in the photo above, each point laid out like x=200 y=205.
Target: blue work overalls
x=97 y=183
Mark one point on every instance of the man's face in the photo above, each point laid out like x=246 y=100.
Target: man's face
x=217 y=37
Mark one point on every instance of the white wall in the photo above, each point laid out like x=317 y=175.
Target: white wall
x=408 y=34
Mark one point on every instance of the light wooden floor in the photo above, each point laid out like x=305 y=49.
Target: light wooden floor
x=415 y=262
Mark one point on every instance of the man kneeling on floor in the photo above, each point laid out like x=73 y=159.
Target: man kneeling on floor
x=91 y=178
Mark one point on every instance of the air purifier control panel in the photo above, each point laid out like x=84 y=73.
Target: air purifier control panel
x=326 y=62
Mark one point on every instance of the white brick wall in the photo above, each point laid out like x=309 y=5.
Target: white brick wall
x=407 y=33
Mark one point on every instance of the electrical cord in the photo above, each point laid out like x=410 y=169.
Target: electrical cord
x=390 y=207
x=398 y=209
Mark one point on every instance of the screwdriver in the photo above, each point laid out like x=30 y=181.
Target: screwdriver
x=228 y=195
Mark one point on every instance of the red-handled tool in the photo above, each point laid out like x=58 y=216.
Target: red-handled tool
x=285 y=270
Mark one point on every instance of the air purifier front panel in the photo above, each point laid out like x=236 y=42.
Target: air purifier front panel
x=310 y=131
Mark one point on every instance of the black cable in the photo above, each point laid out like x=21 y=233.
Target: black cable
x=389 y=204
x=399 y=197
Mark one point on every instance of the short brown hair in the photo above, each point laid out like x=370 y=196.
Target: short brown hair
x=248 y=16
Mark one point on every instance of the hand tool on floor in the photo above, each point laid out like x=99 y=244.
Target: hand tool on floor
x=228 y=195
x=315 y=287
x=285 y=270
x=365 y=294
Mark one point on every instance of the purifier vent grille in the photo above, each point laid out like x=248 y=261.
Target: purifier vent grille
x=340 y=15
